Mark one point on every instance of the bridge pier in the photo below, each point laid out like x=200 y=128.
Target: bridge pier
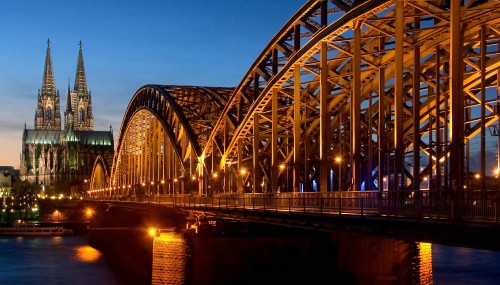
x=121 y=233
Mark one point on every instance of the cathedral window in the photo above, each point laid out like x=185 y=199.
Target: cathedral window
x=81 y=115
x=48 y=114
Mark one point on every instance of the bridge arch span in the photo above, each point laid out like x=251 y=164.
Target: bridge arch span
x=349 y=95
x=160 y=139
x=99 y=180
x=366 y=95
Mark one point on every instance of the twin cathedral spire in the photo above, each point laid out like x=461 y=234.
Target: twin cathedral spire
x=78 y=115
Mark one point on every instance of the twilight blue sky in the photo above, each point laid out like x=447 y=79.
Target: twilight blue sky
x=126 y=44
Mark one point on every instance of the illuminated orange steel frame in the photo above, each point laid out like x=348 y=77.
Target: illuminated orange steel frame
x=402 y=92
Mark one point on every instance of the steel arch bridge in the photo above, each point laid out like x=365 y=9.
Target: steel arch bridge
x=348 y=95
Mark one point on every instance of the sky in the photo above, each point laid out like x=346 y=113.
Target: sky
x=126 y=44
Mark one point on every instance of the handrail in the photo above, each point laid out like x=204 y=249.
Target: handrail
x=480 y=206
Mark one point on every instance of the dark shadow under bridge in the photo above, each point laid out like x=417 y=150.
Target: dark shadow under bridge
x=452 y=218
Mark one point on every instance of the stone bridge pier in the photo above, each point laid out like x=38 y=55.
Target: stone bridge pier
x=121 y=233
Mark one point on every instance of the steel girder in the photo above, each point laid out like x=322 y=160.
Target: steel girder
x=376 y=84
x=159 y=142
x=347 y=94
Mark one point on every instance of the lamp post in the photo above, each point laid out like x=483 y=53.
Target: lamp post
x=282 y=167
x=213 y=185
x=338 y=160
x=174 y=186
x=86 y=188
x=192 y=185
x=241 y=178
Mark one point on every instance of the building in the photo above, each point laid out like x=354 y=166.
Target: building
x=62 y=158
x=7 y=177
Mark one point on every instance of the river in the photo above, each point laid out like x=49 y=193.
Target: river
x=52 y=260
x=250 y=259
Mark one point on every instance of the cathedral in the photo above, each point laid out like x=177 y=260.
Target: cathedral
x=61 y=159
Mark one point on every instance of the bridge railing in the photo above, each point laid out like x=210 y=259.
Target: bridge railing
x=471 y=205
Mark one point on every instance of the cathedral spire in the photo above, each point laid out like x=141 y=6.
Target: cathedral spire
x=48 y=85
x=80 y=79
x=68 y=100
x=78 y=113
x=47 y=116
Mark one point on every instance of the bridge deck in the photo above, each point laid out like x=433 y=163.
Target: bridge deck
x=454 y=220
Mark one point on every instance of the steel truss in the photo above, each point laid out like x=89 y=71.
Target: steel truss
x=100 y=175
x=159 y=142
x=348 y=95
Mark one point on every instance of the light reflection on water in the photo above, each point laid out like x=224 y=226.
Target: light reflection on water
x=169 y=259
x=424 y=263
x=52 y=261
x=87 y=254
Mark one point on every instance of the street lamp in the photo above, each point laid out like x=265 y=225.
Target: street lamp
x=338 y=160
x=89 y=212
x=85 y=181
x=282 y=167
x=175 y=185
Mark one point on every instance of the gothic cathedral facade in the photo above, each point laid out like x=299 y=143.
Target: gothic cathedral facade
x=52 y=156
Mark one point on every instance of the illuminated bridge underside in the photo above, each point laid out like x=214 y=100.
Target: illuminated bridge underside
x=100 y=174
x=346 y=94
x=160 y=138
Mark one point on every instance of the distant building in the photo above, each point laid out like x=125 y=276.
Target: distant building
x=53 y=156
x=7 y=176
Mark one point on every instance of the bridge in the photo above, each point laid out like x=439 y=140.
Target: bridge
x=378 y=108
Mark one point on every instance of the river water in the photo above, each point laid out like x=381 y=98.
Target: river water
x=247 y=259
x=52 y=260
